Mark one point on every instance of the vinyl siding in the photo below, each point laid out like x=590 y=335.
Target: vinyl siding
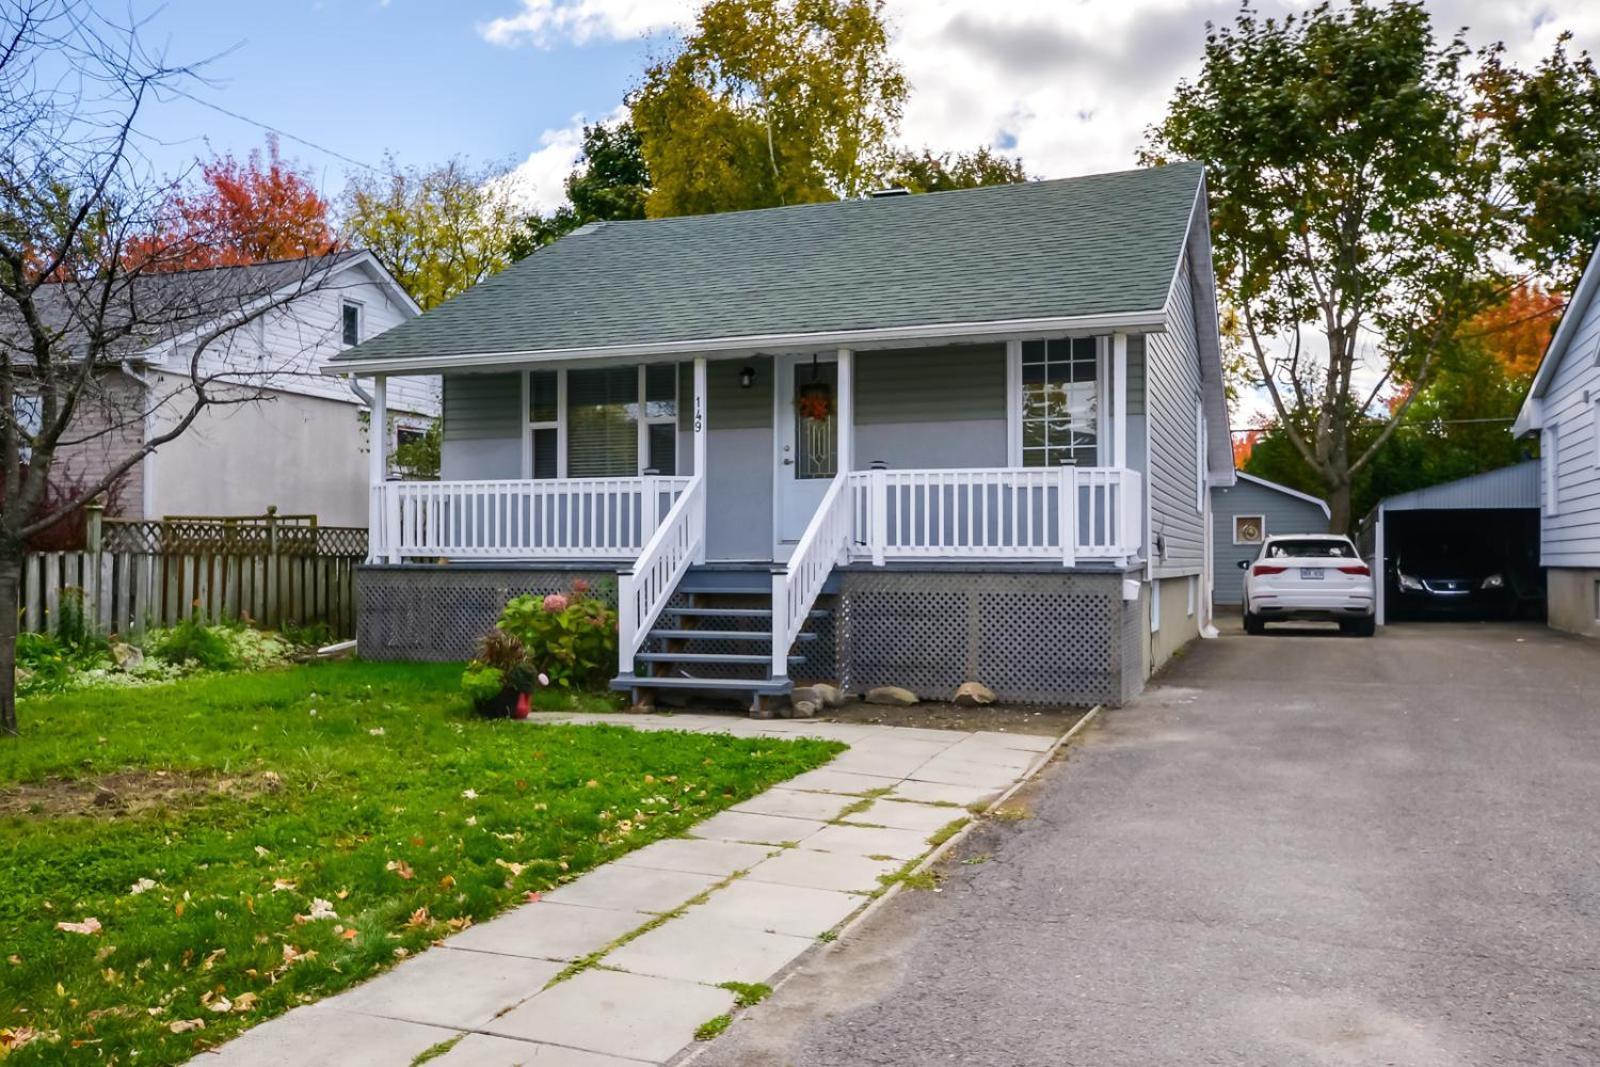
x=1571 y=537
x=1283 y=514
x=104 y=435
x=482 y=432
x=1172 y=380
x=931 y=407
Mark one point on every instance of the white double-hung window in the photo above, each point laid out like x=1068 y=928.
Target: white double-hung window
x=1059 y=400
x=601 y=422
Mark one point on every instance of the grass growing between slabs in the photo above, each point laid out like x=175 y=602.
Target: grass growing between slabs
x=186 y=860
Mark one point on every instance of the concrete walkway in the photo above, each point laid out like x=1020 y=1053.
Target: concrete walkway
x=1296 y=851
x=665 y=927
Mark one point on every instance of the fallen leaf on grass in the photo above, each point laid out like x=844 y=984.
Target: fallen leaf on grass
x=469 y=794
x=349 y=935
x=183 y=1026
x=400 y=867
x=281 y=885
x=217 y=1003
x=244 y=1002
x=211 y=958
x=531 y=897
x=516 y=869
x=447 y=881
x=420 y=917
x=141 y=886
x=320 y=909
x=292 y=955
x=91 y=925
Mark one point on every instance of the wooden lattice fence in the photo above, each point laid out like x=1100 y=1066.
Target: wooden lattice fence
x=269 y=570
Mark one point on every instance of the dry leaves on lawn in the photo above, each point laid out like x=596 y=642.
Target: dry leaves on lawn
x=400 y=867
x=91 y=925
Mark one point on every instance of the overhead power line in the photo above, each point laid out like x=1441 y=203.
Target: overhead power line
x=286 y=135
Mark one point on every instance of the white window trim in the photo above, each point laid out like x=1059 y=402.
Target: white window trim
x=1549 y=462
x=1104 y=398
x=1594 y=433
x=361 y=319
x=1155 y=607
x=1261 y=519
x=559 y=425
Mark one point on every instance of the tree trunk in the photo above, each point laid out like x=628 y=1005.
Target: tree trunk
x=1339 y=517
x=10 y=585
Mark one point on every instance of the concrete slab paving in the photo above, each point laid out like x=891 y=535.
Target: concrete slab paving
x=829 y=780
x=705 y=948
x=961 y=772
x=782 y=909
x=1025 y=742
x=548 y=930
x=483 y=1050
x=905 y=815
x=823 y=870
x=944 y=793
x=319 y=1035
x=461 y=990
x=883 y=764
x=795 y=804
x=719 y=858
x=869 y=841
x=617 y=1013
x=760 y=829
x=632 y=889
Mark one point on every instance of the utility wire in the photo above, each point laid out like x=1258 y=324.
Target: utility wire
x=273 y=129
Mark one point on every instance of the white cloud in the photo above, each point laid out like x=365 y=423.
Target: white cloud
x=538 y=183
x=544 y=23
x=1070 y=88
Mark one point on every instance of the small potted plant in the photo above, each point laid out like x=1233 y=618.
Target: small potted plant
x=500 y=680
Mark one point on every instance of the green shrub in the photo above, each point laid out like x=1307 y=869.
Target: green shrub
x=572 y=638
x=192 y=642
x=482 y=682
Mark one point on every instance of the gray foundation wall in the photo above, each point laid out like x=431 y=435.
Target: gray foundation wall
x=1033 y=637
x=1574 y=599
x=438 y=612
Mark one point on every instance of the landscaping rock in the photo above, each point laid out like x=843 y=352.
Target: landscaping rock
x=831 y=695
x=890 y=694
x=125 y=656
x=803 y=709
x=763 y=710
x=972 y=694
x=805 y=692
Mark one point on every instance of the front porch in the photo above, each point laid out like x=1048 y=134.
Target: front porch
x=701 y=485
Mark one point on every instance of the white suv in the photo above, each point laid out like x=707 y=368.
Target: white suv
x=1309 y=576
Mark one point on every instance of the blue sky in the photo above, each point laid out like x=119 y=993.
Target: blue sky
x=1069 y=85
x=415 y=77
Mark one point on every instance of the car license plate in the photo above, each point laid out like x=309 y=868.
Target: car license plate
x=1311 y=573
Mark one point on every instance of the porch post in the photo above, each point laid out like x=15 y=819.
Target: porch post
x=847 y=410
x=378 y=470
x=700 y=445
x=1119 y=399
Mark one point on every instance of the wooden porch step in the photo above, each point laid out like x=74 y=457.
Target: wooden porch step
x=724 y=635
x=765 y=686
x=732 y=658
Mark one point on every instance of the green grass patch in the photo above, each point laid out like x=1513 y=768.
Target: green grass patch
x=433 y=1052
x=947 y=831
x=748 y=994
x=247 y=843
x=712 y=1028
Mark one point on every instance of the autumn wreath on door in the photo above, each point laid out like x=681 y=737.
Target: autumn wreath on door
x=815 y=401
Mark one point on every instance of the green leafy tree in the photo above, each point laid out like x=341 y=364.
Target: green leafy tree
x=1369 y=188
x=930 y=172
x=770 y=102
x=611 y=182
x=439 y=230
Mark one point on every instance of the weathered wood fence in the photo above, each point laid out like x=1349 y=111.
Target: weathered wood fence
x=269 y=570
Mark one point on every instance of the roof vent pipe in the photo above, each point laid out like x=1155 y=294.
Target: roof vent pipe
x=893 y=190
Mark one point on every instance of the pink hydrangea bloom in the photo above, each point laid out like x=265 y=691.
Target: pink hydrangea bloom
x=555 y=602
x=580 y=586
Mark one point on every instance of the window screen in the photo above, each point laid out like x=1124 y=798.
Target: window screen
x=1060 y=402
x=602 y=422
x=352 y=324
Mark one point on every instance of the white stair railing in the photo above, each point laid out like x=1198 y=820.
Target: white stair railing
x=795 y=589
x=644 y=589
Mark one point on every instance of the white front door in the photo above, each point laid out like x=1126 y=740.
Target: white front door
x=805 y=444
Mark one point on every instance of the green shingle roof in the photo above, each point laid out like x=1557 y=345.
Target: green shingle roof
x=1097 y=245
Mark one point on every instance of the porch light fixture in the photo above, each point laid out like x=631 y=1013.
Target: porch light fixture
x=747 y=377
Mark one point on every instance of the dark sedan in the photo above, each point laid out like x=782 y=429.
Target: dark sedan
x=1452 y=583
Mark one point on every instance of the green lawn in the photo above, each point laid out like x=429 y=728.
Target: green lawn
x=237 y=809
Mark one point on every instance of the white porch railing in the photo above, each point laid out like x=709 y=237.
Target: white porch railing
x=1066 y=513
x=644 y=589
x=825 y=543
x=568 y=518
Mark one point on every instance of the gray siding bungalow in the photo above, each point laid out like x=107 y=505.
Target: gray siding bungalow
x=908 y=440
x=1247 y=513
x=1563 y=409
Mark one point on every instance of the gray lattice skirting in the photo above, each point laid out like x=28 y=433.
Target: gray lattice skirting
x=428 y=612
x=1042 y=638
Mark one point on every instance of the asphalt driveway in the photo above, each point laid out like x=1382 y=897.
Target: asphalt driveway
x=1295 y=850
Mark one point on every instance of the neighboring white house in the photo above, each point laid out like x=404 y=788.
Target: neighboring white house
x=303 y=448
x=1563 y=408
x=907 y=440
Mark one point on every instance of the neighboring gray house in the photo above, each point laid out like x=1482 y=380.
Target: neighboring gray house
x=1248 y=512
x=1563 y=408
x=903 y=440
